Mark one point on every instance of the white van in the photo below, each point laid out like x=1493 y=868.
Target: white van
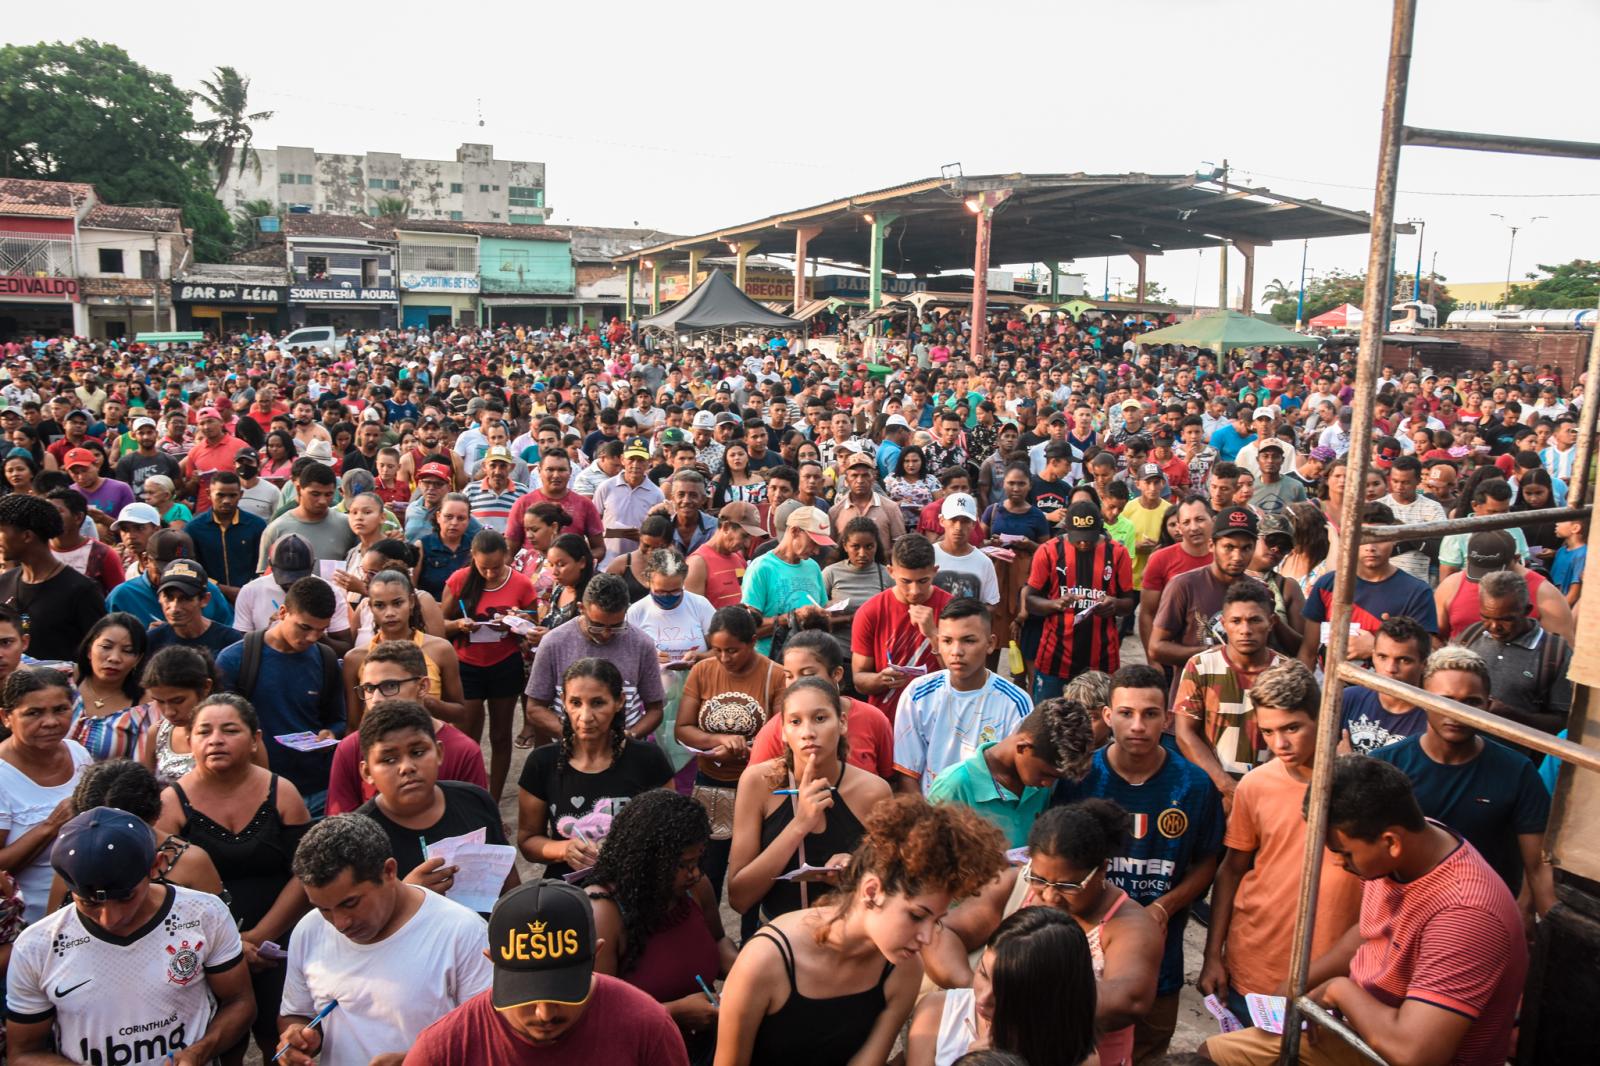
x=322 y=338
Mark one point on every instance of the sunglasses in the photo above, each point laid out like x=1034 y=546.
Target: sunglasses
x=1035 y=881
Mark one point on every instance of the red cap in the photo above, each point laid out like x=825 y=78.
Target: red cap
x=80 y=457
x=1506 y=463
x=209 y=412
x=438 y=470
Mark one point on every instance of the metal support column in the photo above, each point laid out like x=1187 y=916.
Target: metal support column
x=1374 y=316
x=694 y=270
x=985 y=203
x=1222 y=277
x=1139 y=260
x=655 y=286
x=802 y=237
x=742 y=250
x=633 y=272
x=880 y=226
x=1248 y=303
x=1055 y=282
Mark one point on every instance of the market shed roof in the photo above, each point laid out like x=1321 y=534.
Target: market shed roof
x=1048 y=217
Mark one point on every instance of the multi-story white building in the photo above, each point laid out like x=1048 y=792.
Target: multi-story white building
x=472 y=187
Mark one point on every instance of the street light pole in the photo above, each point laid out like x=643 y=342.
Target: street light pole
x=1416 y=281
x=1505 y=298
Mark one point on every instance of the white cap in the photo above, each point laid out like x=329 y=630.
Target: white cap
x=704 y=420
x=139 y=514
x=959 y=505
x=896 y=420
x=321 y=451
x=140 y=422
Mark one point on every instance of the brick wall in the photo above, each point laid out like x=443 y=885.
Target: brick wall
x=1476 y=349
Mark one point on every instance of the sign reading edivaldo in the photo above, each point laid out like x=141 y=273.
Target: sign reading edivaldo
x=38 y=288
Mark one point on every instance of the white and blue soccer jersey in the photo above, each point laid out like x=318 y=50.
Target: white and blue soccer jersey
x=936 y=727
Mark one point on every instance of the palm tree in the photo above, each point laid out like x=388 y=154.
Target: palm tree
x=391 y=207
x=228 y=136
x=1277 y=292
x=245 y=215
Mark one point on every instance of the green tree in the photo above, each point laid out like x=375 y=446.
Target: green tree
x=1154 y=293
x=228 y=135
x=1277 y=292
x=87 y=112
x=1575 y=284
x=391 y=207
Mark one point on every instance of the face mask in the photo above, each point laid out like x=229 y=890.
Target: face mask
x=566 y=418
x=667 y=603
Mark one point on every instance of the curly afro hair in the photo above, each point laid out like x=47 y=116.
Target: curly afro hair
x=639 y=861
x=913 y=847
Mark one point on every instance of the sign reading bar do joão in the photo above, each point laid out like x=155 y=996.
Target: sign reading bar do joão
x=229 y=294
x=39 y=288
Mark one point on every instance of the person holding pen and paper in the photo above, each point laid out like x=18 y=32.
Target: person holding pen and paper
x=787 y=579
x=892 y=640
x=396 y=958
x=803 y=809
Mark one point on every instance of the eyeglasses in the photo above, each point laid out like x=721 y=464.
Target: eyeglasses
x=602 y=627
x=385 y=688
x=1040 y=883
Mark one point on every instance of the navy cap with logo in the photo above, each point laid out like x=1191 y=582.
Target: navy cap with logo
x=185 y=575
x=1084 y=523
x=1235 y=520
x=292 y=559
x=541 y=944
x=104 y=854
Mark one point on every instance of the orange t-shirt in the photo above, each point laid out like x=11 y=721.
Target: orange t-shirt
x=1266 y=819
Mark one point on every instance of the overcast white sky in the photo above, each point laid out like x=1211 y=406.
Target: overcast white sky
x=690 y=116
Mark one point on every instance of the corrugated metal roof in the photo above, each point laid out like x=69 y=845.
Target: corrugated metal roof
x=149 y=219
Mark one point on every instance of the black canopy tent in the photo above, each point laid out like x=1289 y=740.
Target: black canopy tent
x=717 y=306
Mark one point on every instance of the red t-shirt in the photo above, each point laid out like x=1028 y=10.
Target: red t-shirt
x=1167 y=563
x=461 y=760
x=620 y=1026
x=867 y=729
x=585 y=516
x=1083 y=578
x=929 y=523
x=1452 y=938
x=1177 y=471
x=516 y=594
x=884 y=633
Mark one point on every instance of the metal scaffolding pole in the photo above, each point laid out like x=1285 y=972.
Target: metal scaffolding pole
x=1374 y=316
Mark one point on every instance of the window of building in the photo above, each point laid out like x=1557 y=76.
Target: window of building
x=455 y=186
x=111 y=260
x=286 y=178
x=302 y=179
x=496 y=188
x=148 y=264
x=526 y=220
x=355 y=180
x=525 y=196
x=456 y=216
x=494 y=214
x=374 y=183
x=392 y=183
x=317 y=267
x=369 y=273
x=483 y=188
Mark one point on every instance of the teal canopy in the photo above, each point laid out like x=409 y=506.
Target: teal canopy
x=1223 y=331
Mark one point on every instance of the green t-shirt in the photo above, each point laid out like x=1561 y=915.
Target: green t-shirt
x=971 y=784
x=773 y=586
x=1121 y=531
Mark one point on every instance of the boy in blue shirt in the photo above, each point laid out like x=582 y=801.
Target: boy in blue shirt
x=1566 y=572
x=1171 y=854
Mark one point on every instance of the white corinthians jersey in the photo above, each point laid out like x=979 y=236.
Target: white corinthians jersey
x=124 y=1000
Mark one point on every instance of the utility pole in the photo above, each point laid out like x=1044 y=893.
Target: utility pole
x=1222 y=269
x=155 y=286
x=1505 y=299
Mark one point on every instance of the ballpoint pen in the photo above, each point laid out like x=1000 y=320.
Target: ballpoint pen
x=312 y=1024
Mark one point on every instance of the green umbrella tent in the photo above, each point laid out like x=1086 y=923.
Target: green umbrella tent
x=1225 y=330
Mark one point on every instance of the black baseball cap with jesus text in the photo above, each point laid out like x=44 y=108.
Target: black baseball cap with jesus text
x=541 y=945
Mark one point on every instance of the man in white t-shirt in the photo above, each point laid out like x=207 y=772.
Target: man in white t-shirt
x=133 y=972
x=395 y=956
x=944 y=718
x=963 y=569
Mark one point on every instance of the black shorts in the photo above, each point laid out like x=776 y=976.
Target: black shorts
x=495 y=682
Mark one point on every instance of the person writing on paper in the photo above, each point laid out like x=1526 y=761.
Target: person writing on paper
x=396 y=618
x=657 y=917
x=898 y=627
x=1433 y=970
x=833 y=984
x=361 y=947
x=869 y=736
x=570 y=790
x=807 y=807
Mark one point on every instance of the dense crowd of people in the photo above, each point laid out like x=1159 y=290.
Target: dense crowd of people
x=906 y=711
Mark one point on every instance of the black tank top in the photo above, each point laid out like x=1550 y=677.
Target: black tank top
x=636 y=590
x=841 y=832
x=815 y=1032
x=254 y=863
